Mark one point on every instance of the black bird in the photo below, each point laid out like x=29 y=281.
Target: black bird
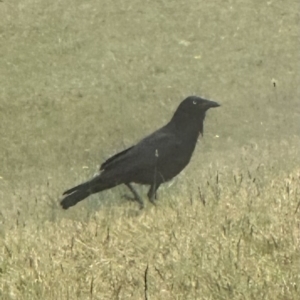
x=154 y=160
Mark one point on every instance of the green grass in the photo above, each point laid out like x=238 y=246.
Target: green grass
x=82 y=80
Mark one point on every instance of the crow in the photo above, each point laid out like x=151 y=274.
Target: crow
x=154 y=160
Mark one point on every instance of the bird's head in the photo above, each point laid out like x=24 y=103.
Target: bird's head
x=191 y=113
x=194 y=105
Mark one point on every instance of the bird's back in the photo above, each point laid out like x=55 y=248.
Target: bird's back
x=164 y=153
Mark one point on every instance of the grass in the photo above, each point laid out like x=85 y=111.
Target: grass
x=80 y=81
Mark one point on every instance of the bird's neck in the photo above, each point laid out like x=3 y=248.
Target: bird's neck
x=188 y=126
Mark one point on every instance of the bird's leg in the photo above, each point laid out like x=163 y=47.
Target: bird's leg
x=136 y=196
x=152 y=195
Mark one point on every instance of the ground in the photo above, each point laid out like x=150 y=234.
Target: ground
x=83 y=80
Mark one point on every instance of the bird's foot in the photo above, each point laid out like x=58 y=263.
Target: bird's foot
x=153 y=202
x=152 y=198
x=129 y=198
x=133 y=199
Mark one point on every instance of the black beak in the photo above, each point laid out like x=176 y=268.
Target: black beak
x=210 y=104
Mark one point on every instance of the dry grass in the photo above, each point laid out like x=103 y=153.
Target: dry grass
x=80 y=80
x=240 y=242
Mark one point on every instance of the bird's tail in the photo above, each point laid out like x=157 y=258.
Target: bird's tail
x=82 y=191
x=73 y=196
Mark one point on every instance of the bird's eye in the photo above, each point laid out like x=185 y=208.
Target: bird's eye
x=194 y=102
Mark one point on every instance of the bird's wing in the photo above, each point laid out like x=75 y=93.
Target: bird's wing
x=160 y=143
x=113 y=158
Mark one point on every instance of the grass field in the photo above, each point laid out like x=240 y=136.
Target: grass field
x=82 y=80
